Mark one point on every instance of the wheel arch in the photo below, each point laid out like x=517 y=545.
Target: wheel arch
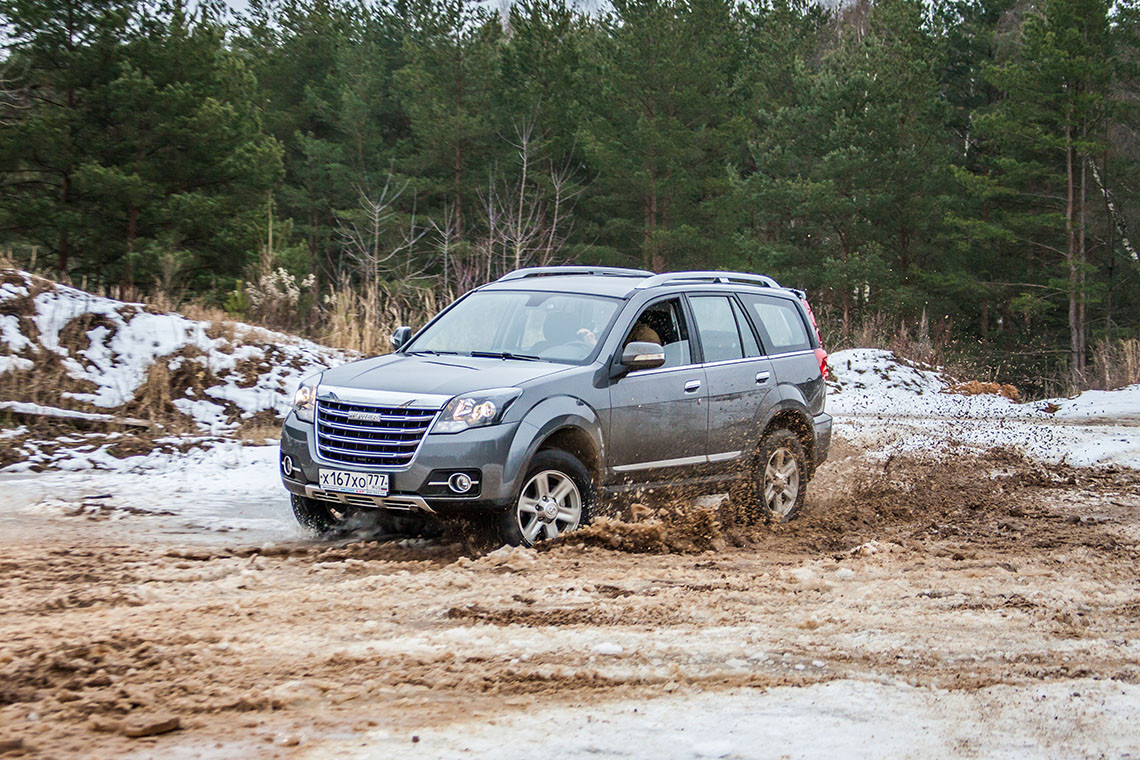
x=564 y=423
x=794 y=417
x=576 y=441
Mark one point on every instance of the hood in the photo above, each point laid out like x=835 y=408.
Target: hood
x=437 y=375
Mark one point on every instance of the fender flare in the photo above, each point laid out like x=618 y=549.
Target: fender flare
x=544 y=419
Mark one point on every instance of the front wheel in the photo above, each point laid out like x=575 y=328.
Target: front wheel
x=320 y=516
x=557 y=496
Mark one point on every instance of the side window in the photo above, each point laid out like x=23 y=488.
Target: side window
x=780 y=321
x=751 y=347
x=716 y=324
x=663 y=323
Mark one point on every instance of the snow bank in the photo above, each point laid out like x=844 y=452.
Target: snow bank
x=109 y=348
x=893 y=406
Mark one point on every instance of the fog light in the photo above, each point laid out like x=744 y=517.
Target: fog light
x=460 y=482
x=287 y=465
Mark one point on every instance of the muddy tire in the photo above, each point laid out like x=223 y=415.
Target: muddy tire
x=320 y=516
x=776 y=484
x=557 y=496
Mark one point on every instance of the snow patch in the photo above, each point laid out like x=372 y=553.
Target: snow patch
x=15 y=363
x=892 y=407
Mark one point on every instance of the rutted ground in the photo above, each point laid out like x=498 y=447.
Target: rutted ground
x=964 y=575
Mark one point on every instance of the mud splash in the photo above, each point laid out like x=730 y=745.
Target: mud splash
x=973 y=500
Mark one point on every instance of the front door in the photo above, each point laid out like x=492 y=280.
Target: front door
x=659 y=417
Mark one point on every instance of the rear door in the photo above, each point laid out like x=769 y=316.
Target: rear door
x=738 y=375
x=785 y=333
x=659 y=417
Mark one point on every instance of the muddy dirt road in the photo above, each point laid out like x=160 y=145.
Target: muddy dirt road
x=959 y=582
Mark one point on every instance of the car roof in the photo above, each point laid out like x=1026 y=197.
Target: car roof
x=623 y=283
x=594 y=285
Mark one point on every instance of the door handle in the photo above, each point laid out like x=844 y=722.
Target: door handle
x=692 y=385
x=762 y=377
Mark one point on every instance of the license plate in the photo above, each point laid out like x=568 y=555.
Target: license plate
x=367 y=483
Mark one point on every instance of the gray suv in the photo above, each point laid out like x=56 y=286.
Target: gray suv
x=531 y=399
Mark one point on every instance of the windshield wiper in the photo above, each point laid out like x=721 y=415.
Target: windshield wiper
x=435 y=353
x=506 y=355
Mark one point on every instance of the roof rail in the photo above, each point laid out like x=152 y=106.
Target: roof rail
x=720 y=277
x=522 y=274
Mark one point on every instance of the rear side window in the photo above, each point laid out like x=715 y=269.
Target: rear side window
x=716 y=325
x=780 y=322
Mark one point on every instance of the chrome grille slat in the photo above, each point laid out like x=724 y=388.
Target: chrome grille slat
x=365 y=439
x=383 y=417
x=391 y=439
x=370 y=429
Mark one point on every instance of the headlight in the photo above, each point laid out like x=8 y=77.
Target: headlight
x=475 y=410
x=305 y=399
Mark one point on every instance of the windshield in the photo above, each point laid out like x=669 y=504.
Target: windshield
x=557 y=327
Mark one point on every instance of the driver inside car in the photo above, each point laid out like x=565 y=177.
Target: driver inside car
x=558 y=329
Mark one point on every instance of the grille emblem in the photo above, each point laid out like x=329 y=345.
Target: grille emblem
x=365 y=416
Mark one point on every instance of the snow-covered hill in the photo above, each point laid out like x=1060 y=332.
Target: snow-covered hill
x=63 y=347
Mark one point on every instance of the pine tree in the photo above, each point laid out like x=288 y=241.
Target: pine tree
x=61 y=54
x=662 y=129
x=848 y=173
x=1059 y=88
x=446 y=88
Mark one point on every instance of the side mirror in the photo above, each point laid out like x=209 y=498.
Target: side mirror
x=400 y=337
x=642 y=355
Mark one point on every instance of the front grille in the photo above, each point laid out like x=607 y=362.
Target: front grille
x=389 y=439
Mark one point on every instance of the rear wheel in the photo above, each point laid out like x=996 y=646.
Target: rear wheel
x=775 y=487
x=557 y=496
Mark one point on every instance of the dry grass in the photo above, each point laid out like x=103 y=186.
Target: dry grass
x=914 y=341
x=1116 y=364
x=363 y=319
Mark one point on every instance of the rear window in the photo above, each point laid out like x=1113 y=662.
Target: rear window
x=716 y=324
x=780 y=322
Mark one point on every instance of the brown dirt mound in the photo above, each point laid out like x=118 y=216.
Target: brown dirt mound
x=976 y=388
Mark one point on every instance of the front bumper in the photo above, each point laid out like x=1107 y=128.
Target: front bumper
x=483 y=449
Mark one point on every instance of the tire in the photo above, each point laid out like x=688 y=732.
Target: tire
x=320 y=516
x=569 y=502
x=776 y=484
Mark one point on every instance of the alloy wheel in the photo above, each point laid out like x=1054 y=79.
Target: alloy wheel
x=550 y=504
x=781 y=482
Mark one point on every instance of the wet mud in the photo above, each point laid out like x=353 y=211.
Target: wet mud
x=961 y=573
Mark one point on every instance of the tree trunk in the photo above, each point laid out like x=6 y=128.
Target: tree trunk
x=64 y=253
x=1111 y=265
x=132 y=233
x=1071 y=258
x=649 y=239
x=1082 y=256
x=846 y=287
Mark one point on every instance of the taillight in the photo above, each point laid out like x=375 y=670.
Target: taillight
x=820 y=354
